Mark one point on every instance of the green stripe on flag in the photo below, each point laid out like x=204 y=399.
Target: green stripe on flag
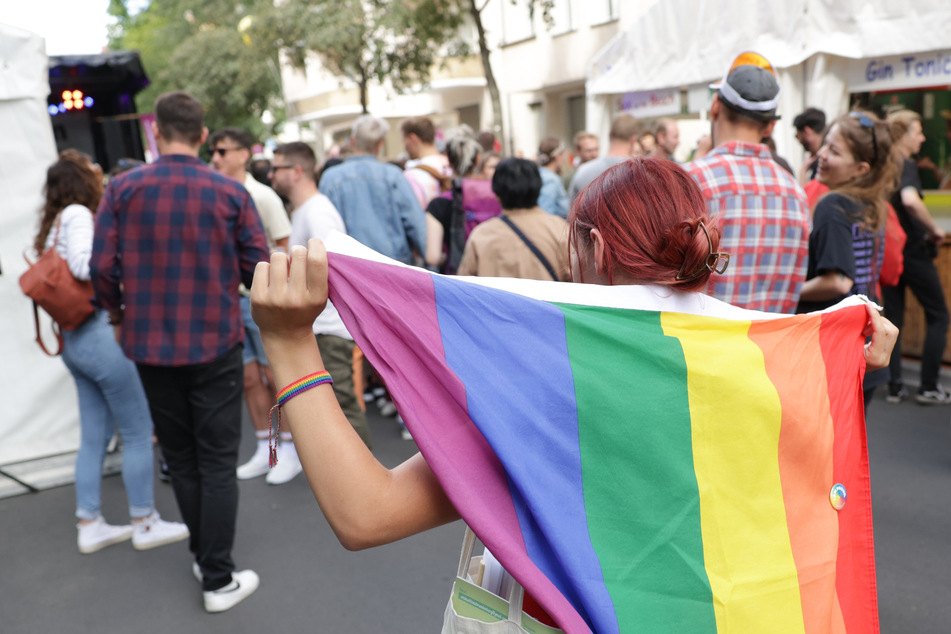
x=640 y=489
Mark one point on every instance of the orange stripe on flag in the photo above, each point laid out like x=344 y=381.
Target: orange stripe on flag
x=805 y=463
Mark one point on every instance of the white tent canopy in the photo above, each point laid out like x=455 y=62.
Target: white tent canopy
x=40 y=415
x=685 y=43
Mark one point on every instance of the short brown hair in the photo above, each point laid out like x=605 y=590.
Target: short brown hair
x=582 y=135
x=623 y=127
x=179 y=117
x=299 y=153
x=736 y=116
x=422 y=127
x=239 y=136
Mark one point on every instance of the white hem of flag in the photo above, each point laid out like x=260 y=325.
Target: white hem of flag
x=638 y=297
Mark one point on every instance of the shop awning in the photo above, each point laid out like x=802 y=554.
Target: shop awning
x=679 y=43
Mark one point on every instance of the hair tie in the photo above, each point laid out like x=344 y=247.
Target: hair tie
x=714 y=262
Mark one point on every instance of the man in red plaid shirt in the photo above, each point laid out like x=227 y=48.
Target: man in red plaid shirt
x=173 y=241
x=760 y=208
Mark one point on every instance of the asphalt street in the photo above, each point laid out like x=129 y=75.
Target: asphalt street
x=309 y=583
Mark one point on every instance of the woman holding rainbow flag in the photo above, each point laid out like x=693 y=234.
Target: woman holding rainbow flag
x=642 y=225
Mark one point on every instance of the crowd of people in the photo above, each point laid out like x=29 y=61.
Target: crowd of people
x=171 y=248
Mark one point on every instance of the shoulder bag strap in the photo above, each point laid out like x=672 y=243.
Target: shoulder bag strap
x=445 y=182
x=457 y=228
x=530 y=245
x=39 y=338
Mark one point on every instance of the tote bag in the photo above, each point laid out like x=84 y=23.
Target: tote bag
x=475 y=610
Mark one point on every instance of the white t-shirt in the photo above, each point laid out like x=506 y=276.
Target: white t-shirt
x=317 y=218
x=424 y=185
x=270 y=208
x=74 y=241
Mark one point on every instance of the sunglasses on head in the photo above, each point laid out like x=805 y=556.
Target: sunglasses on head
x=866 y=122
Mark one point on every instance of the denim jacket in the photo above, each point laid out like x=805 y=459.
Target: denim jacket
x=552 y=197
x=377 y=205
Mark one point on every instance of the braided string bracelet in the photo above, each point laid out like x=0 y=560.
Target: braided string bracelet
x=297 y=387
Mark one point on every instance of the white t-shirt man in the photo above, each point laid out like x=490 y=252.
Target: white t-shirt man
x=270 y=208
x=317 y=218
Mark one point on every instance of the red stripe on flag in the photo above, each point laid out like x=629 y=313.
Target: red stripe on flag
x=842 y=342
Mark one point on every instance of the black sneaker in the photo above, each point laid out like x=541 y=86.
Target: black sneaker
x=937 y=396
x=896 y=394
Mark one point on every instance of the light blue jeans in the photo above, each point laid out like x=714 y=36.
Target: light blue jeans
x=110 y=394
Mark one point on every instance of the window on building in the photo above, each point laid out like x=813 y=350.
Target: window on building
x=470 y=116
x=538 y=127
x=561 y=15
x=575 y=119
x=601 y=11
x=517 y=23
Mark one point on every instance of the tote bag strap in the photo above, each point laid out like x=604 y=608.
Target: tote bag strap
x=517 y=592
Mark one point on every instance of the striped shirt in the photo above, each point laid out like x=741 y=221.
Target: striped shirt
x=764 y=219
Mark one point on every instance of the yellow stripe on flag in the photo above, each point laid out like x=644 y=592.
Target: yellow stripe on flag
x=735 y=427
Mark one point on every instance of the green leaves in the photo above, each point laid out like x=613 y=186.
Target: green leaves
x=195 y=45
x=393 y=42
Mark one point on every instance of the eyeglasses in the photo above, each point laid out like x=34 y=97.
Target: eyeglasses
x=221 y=151
x=274 y=168
x=866 y=122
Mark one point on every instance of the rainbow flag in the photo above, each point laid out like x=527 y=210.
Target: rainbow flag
x=640 y=460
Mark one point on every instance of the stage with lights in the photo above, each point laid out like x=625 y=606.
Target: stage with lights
x=92 y=105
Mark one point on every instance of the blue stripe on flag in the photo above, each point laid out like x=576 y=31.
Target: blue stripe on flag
x=525 y=407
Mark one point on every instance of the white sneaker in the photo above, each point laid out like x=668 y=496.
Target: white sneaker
x=404 y=432
x=196 y=570
x=97 y=535
x=387 y=407
x=288 y=467
x=257 y=466
x=243 y=584
x=153 y=532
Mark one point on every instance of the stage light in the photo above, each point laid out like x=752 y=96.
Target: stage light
x=53 y=109
x=89 y=102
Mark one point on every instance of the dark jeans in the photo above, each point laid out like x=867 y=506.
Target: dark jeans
x=197 y=414
x=337 y=355
x=921 y=276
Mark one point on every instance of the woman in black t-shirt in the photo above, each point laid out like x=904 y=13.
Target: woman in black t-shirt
x=920 y=274
x=847 y=243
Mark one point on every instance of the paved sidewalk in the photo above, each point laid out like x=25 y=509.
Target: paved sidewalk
x=309 y=583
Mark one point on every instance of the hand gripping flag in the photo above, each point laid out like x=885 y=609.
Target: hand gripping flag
x=641 y=460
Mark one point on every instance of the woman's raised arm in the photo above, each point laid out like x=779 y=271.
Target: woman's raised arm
x=365 y=503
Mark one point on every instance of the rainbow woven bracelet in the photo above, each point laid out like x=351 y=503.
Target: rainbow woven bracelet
x=289 y=392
